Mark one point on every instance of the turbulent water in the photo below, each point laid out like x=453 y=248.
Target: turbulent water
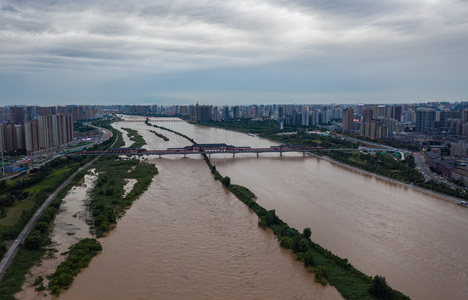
x=188 y=238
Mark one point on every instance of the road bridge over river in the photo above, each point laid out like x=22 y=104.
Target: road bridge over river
x=210 y=149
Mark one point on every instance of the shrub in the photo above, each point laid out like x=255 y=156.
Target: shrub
x=32 y=242
x=379 y=287
x=307 y=233
x=226 y=181
x=262 y=224
x=309 y=259
x=321 y=274
x=286 y=242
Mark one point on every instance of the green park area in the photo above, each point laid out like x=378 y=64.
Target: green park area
x=14 y=213
x=48 y=181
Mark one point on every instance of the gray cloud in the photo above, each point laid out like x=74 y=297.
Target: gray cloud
x=373 y=40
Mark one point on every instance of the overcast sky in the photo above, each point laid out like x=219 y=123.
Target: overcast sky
x=232 y=52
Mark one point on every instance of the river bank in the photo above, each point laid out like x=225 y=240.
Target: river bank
x=420 y=189
x=70 y=226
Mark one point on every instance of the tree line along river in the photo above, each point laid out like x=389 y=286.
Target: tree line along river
x=187 y=237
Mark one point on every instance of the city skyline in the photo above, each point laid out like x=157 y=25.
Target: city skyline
x=232 y=52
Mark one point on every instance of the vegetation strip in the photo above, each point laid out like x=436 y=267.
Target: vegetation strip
x=327 y=267
x=165 y=138
x=79 y=256
x=35 y=244
x=107 y=203
x=135 y=137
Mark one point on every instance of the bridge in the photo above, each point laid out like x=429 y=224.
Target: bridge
x=208 y=149
x=150 y=120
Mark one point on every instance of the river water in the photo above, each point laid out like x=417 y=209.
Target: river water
x=417 y=241
x=189 y=238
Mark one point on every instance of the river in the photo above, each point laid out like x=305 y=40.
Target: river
x=187 y=237
x=417 y=241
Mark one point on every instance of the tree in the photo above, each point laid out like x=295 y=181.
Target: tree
x=226 y=181
x=303 y=245
x=379 y=287
x=295 y=243
x=307 y=233
x=41 y=226
x=309 y=259
x=3 y=249
x=271 y=217
x=321 y=274
x=286 y=242
x=32 y=242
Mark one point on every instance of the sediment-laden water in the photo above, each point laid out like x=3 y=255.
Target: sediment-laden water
x=188 y=238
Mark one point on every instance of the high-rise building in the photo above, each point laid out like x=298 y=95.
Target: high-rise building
x=425 y=118
x=444 y=115
x=31 y=135
x=17 y=115
x=397 y=113
x=368 y=115
x=235 y=112
x=348 y=119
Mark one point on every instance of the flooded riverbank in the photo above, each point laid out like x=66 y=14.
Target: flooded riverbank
x=70 y=226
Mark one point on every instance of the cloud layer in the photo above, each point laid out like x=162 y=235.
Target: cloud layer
x=117 y=51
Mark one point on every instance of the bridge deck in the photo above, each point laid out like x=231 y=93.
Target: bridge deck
x=208 y=151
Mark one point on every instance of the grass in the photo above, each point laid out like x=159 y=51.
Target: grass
x=14 y=213
x=50 y=180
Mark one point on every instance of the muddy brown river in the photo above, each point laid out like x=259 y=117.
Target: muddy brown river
x=188 y=238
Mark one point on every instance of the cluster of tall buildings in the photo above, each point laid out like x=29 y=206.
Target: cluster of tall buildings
x=369 y=120
x=35 y=128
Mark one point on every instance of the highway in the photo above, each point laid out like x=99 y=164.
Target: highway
x=11 y=253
